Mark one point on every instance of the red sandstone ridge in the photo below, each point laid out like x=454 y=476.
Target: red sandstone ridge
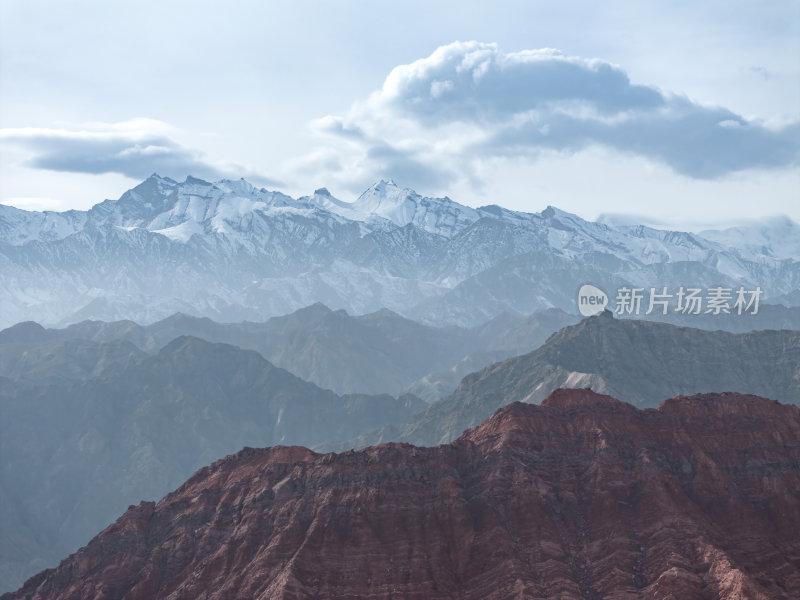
x=582 y=497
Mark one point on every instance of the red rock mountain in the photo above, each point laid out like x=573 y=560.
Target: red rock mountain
x=581 y=497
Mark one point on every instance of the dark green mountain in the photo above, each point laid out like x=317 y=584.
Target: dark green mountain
x=640 y=362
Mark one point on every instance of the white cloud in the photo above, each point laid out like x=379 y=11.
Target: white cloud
x=441 y=118
x=134 y=148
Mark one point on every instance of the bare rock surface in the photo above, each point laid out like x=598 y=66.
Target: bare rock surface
x=583 y=496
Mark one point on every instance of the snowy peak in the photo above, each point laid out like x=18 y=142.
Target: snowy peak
x=403 y=206
x=239 y=187
x=231 y=250
x=197 y=181
x=181 y=210
x=777 y=237
x=552 y=212
x=138 y=205
x=228 y=208
x=385 y=204
x=385 y=199
x=323 y=199
x=236 y=212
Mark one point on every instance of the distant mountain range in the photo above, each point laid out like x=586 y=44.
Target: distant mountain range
x=582 y=497
x=229 y=251
x=640 y=362
x=378 y=353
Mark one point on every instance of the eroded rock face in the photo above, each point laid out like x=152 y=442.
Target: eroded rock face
x=581 y=497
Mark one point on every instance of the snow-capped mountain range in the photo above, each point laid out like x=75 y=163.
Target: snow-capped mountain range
x=231 y=251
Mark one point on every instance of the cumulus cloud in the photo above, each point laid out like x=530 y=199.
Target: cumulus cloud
x=469 y=81
x=134 y=148
x=470 y=102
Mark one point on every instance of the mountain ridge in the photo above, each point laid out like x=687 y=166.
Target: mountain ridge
x=640 y=362
x=376 y=353
x=231 y=251
x=78 y=447
x=583 y=496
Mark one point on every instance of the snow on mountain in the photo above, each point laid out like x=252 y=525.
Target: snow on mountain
x=403 y=206
x=21 y=226
x=778 y=237
x=232 y=251
x=385 y=204
x=323 y=199
x=235 y=210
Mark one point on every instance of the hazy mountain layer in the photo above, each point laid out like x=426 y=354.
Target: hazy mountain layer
x=640 y=362
x=77 y=452
x=375 y=353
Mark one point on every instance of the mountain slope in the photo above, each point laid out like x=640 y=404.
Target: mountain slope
x=582 y=497
x=64 y=360
x=638 y=361
x=76 y=451
x=376 y=353
x=232 y=252
x=778 y=237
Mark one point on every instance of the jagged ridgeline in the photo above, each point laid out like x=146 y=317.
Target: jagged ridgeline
x=230 y=251
x=639 y=361
x=90 y=422
x=582 y=497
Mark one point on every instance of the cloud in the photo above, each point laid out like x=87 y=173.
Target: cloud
x=698 y=142
x=470 y=103
x=474 y=81
x=336 y=126
x=134 y=148
x=407 y=166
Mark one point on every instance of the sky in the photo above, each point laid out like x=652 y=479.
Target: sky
x=680 y=114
